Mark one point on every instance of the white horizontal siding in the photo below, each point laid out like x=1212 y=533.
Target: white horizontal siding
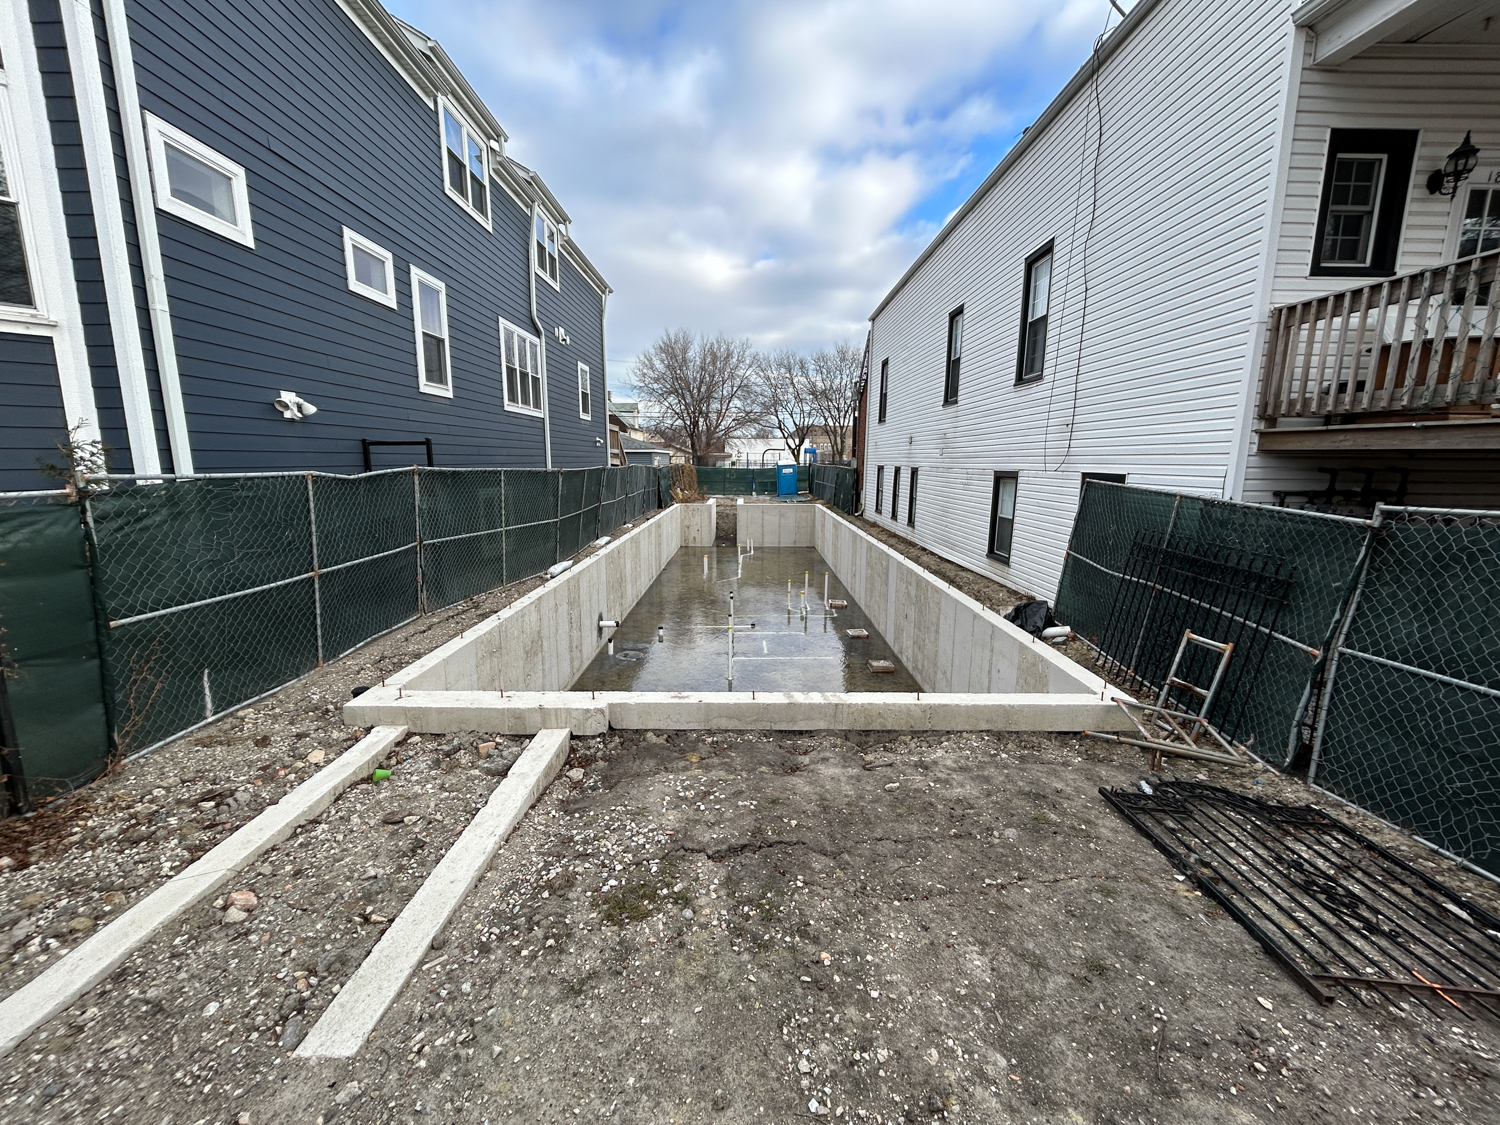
x=1144 y=374
x=1442 y=90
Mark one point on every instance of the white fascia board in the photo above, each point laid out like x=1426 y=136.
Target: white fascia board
x=1344 y=28
x=109 y=224
x=447 y=79
x=1076 y=84
x=581 y=263
x=391 y=41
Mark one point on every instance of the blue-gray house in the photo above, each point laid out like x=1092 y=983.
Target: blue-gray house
x=258 y=235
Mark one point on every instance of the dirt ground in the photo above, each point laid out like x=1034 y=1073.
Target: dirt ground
x=692 y=927
x=714 y=927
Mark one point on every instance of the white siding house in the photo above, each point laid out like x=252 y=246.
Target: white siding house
x=1166 y=203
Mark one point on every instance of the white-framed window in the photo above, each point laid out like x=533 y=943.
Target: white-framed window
x=16 y=289
x=197 y=184
x=371 y=269
x=546 y=249
x=1479 y=225
x=521 y=364
x=585 y=398
x=429 y=299
x=465 y=163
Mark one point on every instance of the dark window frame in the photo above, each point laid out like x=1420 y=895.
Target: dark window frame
x=911 y=497
x=1399 y=147
x=991 y=547
x=896 y=494
x=879 y=487
x=1043 y=251
x=952 y=363
x=885 y=376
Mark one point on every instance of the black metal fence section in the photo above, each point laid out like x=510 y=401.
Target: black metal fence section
x=1321 y=553
x=1228 y=593
x=836 y=484
x=215 y=590
x=1341 y=913
x=1408 y=723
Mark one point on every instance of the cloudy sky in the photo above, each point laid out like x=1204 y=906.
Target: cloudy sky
x=765 y=168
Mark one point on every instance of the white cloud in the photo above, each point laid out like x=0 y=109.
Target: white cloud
x=758 y=168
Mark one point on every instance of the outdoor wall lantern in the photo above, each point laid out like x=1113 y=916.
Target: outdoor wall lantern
x=1455 y=170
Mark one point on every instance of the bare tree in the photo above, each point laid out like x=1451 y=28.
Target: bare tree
x=700 y=388
x=833 y=388
x=781 y=394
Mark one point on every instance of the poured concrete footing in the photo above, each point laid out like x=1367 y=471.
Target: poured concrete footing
x=589 y=713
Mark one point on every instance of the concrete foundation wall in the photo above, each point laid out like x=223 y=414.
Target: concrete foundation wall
x=698 y=523
x=946 y=639
x=773 y=524
x=545 y=640
x=588 y=713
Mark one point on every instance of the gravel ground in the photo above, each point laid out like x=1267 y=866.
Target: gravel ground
x=717 y=927
x=77 y=863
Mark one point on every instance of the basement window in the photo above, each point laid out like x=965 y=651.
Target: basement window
x=429 y=298
x=195 y=183
x=465 y=167
x=1363 y=206
x=370 y=269
x=521 y=357
x=1002 y=516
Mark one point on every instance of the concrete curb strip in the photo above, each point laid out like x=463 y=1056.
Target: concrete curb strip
x=357 y=1008
x=44 y=996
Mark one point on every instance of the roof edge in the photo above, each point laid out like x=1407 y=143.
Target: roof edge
x=1111 y=44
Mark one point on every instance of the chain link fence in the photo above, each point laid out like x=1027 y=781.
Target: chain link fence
x=836 y=484
x=216 y=590
x=720 y=480
x=1408 y=725
x=1380 y=671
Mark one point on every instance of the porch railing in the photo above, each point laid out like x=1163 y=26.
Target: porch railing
x=1419 y=343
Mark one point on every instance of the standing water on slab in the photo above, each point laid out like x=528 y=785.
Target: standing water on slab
x=678 y=636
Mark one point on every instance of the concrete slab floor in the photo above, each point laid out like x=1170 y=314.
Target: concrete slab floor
x=710 y=927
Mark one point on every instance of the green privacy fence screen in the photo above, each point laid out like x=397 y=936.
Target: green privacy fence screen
x=731 y=481
x=49 y=649
x=216 y=590
x=836 y=484
x=1382 y=674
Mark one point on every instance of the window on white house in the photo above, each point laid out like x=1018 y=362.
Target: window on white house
x=1353 y=202
x=465 y=167
x=521 y=357
x=885 y=374
x=371 y=269
x=955 y=355
x=1002 y=516
x=546 y=249
x=585 y=400
x=895 y=491
x=195 y=183
x=1480 y=232
x=430 y=308
x=15 y=281
x=879 y=484
x=911 y=500
x=1036 y=297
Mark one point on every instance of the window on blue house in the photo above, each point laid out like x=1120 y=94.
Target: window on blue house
x=546 y=249
x=521 y=358
x=198 y=184
x=429 y=298
x=585 y=399
x=370 y=269
x=465 y=165
x=15 y=282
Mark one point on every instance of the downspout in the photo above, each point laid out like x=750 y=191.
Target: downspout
x=604 y=355
x=117 y=25
x=541 y=334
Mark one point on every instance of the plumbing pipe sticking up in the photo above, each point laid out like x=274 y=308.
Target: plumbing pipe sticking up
x=611 y=646
x=825 y=591
x=705 y=566
x=661 y=634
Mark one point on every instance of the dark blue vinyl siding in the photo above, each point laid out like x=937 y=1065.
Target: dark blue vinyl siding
x=34 y=419
x=72 y=172
x=331 y=135
x=579 y=309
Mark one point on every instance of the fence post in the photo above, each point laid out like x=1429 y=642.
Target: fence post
x=1377 y=529
x=416 y=500
x=312 y=523
x=557 y=522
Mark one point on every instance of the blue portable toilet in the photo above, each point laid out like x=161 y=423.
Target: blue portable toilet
x=786 y=480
